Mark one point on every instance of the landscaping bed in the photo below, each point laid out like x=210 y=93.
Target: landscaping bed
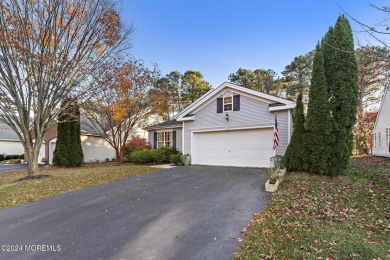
x=318 y=217
x=61 y=180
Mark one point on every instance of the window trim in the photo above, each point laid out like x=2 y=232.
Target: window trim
x=165 y=142
x=231 y=102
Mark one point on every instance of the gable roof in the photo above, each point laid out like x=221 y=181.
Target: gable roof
x=276 y=103
x=166 y=124
x=382 y=102
x=7 y=133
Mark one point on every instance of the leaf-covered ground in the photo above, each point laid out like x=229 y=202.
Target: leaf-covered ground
x=318 y=217
x=61 y=180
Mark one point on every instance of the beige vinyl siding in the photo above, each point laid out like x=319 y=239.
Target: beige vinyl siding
x=96 y=148
x=253 y=113
x=11 y=147
x=383 y=122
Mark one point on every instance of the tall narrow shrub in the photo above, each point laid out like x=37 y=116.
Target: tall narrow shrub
x=318 y=124
x=75 y=143
x=68 y=151
x=62 y=151
x=295 y=156
x=341 y=76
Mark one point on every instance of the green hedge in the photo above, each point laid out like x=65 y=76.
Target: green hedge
x=160 y=155
x=142 y=156
x=176 y=159
x=1 y=157
x=13 y=156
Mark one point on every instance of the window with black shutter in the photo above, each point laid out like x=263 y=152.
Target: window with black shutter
x=236 y=103
x=219 y=105
x=155 y=140
x=174 y=139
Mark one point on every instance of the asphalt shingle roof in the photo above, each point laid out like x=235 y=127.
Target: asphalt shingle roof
x=6 y=133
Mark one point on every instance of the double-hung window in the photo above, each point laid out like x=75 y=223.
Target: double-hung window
x=228 y=103
x=164 y=139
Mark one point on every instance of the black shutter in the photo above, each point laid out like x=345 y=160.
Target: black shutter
x=236 y=103
x=155 y=140
x=174 y=139
x=219 y=105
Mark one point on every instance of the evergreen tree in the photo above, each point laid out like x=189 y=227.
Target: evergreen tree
x=68 y=151
x=295 y=157
x=341 y=77
x=75 y=144
x=318 y=123
x=63 y=135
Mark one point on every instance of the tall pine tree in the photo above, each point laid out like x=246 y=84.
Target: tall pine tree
x=318 y=123
x=295 y=157
x=68 y=151
x=341 y=77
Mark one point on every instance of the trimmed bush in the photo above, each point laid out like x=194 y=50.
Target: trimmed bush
x=176 y=159
x=11 y=156
x=163 y=154
x=142 y=156
x=135 y=144
x=1 y=157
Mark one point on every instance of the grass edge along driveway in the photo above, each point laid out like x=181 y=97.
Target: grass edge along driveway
x=62 y=180
x=318 y=217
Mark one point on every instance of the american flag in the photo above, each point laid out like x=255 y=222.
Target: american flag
x=276 y=134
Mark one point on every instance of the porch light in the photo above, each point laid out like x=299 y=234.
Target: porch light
x=227 y=117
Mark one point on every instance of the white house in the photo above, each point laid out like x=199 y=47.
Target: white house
x=228 y=126
x=382 y=127
x=9 y=141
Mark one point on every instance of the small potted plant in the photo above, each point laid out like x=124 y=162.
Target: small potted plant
x=186 y=159
x=272 y=183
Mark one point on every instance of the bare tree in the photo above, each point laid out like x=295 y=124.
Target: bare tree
x=123 y=102
x=49 y=49
x=373 y=67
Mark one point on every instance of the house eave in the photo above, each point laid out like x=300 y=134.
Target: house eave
x=281 y=108
x=188 y=118
x=9 y=140
x=162 y=127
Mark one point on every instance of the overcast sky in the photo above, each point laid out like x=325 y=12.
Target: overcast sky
x=217 y=37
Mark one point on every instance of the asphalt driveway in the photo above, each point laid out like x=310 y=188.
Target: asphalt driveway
x=193 y=212
x=13 y=167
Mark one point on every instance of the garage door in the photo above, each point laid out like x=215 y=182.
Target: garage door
x=245 y=148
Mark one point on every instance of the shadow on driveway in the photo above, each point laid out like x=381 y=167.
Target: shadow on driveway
x=193 y=212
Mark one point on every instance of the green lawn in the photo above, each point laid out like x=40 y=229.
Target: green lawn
x=62 y=180
x=317 y=217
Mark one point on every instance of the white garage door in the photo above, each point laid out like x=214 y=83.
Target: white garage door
x=245 y=148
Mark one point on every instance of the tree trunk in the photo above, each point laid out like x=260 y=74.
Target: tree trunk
x=118 y=157
x=32 y=162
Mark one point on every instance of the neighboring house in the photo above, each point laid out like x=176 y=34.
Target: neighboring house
x=382 y=127
x=94 y=146
x=139 y=128
x=228 y=126
x=9 y=141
